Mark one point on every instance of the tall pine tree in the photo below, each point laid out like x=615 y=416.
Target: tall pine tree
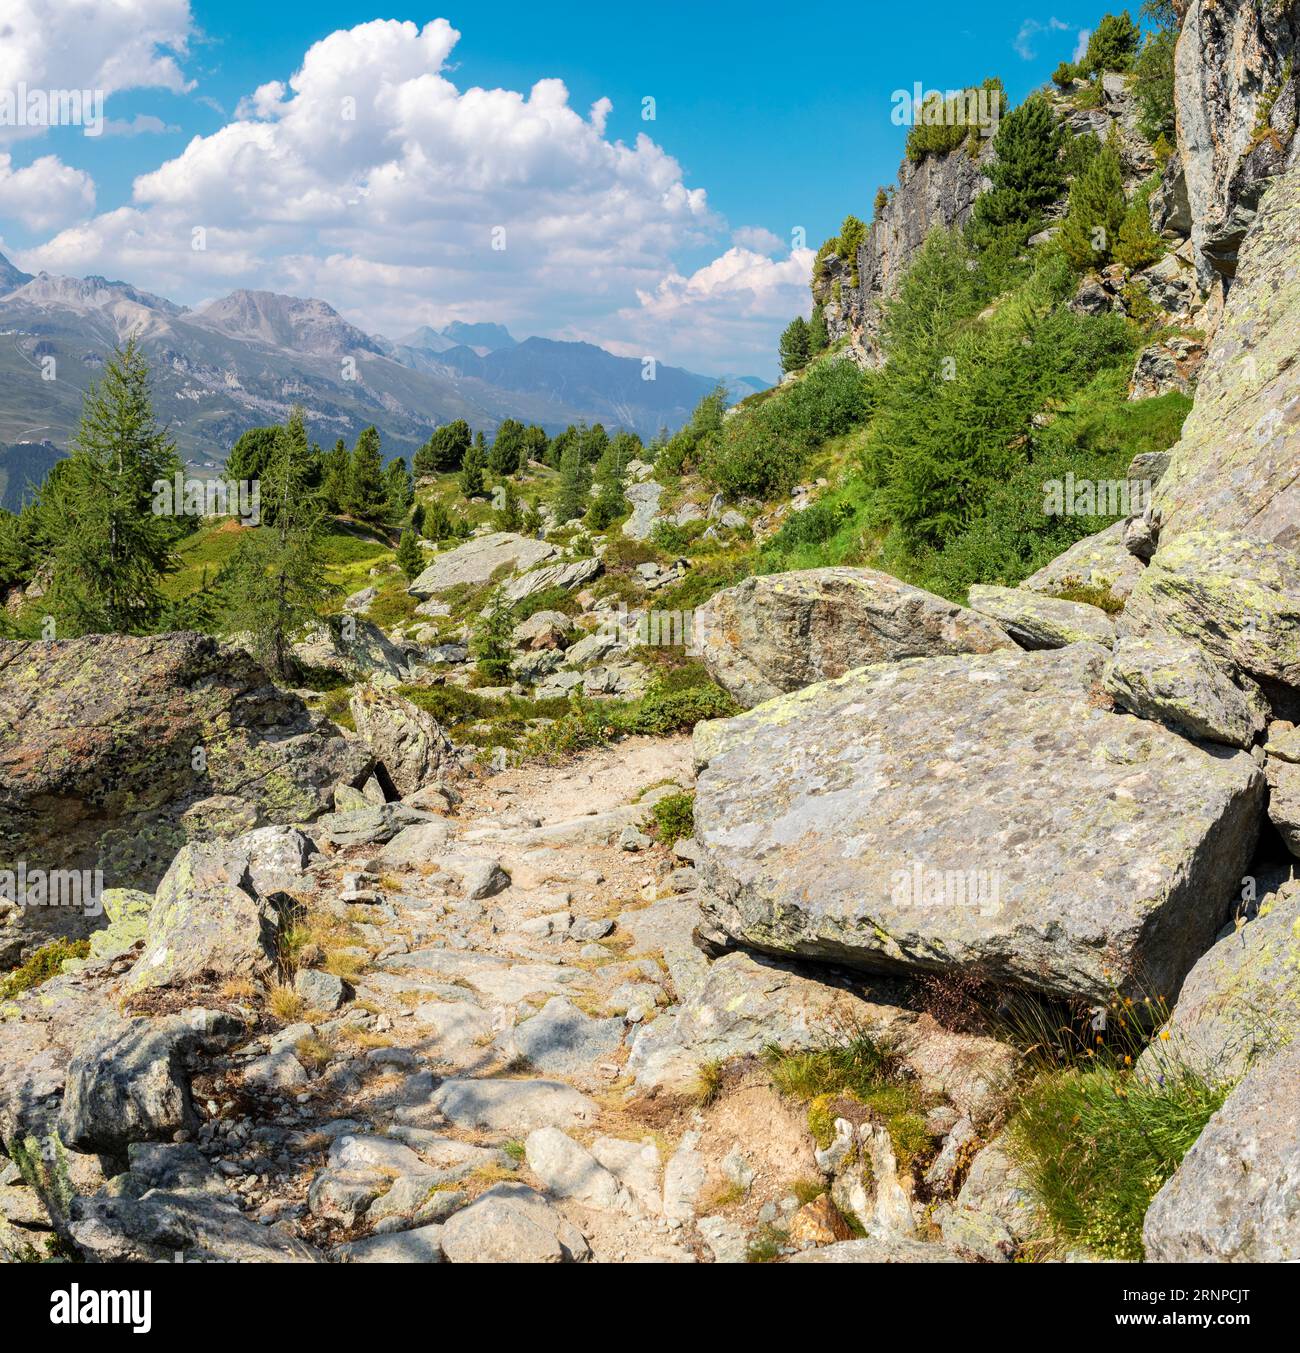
x=367 y=491
x=110 y=548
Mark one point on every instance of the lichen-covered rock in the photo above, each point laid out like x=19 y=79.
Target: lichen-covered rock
x=1035 y=621
x=1098 y=561
x=1236 y=1196
x=1235 y=596
x=405 y=740
x=568 y=575
x=1233 y=59
x=116 y=750
x=1175 y=681
x=1242 y=999
x=1234 y=466
x=478 y=561
x=1284 y=800
x=354 y=648
x=206 y=921
x=778 y=632
x=982 y=812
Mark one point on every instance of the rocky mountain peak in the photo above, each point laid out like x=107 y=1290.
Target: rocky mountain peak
x=306 y=326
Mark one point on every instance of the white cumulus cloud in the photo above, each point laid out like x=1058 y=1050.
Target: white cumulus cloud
x=46 y=194
x=370 y=179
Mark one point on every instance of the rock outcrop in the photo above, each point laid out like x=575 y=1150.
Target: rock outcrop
x=1236 y=1195
x=116 y=750
x=404 y=740
x=937 y=191
x=986 y=813
x=1234 y=467
x=478 y=561
x=1235 y=103
x=778 y=632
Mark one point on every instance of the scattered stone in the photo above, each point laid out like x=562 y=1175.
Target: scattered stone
x=561 y=1041
x=320 y=990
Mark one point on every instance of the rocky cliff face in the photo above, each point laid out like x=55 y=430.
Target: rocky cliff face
x=1235 y=98
x=940 y=190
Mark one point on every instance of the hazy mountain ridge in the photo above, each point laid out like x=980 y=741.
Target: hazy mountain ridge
x=247 y=358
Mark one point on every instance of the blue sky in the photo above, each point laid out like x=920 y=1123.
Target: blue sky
x=768 y=117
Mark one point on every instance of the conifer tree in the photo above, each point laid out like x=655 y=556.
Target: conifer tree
x=334 y=485
x=575 y=483
x=491 y=644
x=398 y=488
x=472 y=467
x=276 y=580
x=110 y=549
x=410 y=559
x=1026 y=170
x=1096 y=212
x=794 y=345
x=507 y=448
x=367 y=491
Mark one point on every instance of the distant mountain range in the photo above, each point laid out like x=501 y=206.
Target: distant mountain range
x=245 y=360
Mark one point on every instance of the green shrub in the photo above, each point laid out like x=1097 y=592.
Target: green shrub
x=673 y=818
x=39 y=967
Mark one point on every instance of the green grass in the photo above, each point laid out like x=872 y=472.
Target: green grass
x=1097 y=1146
x=45 y=963
x=853 y=1066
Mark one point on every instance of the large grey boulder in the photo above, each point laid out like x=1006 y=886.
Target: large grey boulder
x=982 y=813
x=1176 y=681
x=781 y=631
x=568 y=1170
x=511 y=1224
x=405 y=740
x=644 y=498
x=129 y=1081
x=1237 y=597
x=1242 y=999
x=115 y=750
x=568 y=576
x=353 y=648
x=1098 y=562
x=1236 y=1196
x=206 y=921
x=478 y=561
x=276 y=856
x=1035 y=621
